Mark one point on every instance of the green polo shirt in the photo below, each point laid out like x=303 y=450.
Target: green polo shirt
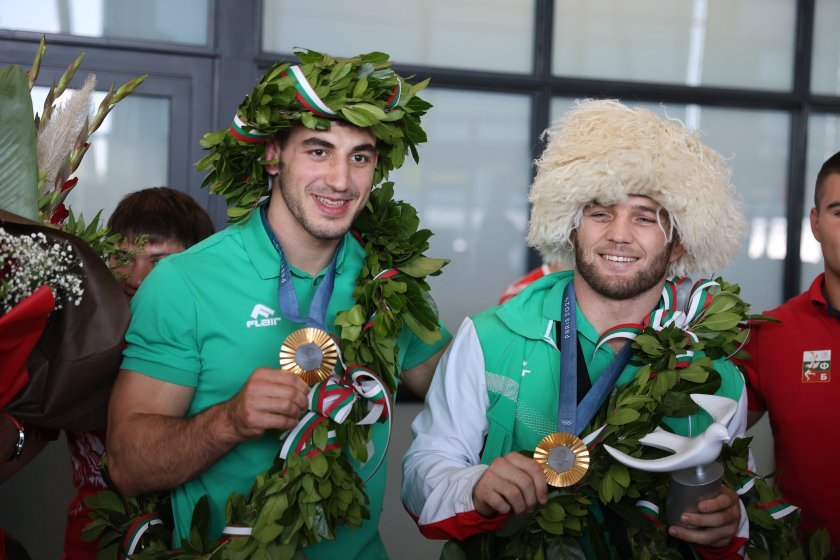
x=207 y=318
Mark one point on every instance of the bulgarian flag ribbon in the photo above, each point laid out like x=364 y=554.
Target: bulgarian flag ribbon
x=778 y=509
x=136 y=532
x=307 y=96
x=649 y=510
x=334 y=399
x=669 y=312
x=247 y=133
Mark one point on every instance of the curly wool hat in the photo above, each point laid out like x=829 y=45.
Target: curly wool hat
x=603 y=151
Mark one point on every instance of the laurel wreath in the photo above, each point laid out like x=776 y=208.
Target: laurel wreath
x=661 y=388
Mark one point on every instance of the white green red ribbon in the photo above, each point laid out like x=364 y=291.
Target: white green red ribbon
x=649 y=510
x=136 y=531
x=307 y=96
x=670 y=312
x=247 y=133
x=778 y=508
x=333 y=399
x=746 y=485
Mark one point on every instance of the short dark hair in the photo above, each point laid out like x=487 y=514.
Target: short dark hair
x=161 y=214
x=831 y=166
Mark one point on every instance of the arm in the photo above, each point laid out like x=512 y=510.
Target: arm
x=754 y=416
x=153 y=446
x=419 y=378
x=442 y=469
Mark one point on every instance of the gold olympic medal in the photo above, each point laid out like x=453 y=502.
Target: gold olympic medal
x=309 y=353
x=564 y=459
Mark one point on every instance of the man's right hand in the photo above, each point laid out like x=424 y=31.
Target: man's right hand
x=512 y=484
x=271 y=399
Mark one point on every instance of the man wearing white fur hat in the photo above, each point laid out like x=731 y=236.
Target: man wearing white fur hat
x=634 y=202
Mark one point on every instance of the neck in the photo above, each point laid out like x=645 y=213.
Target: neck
x=604 y=312
x=302 y=250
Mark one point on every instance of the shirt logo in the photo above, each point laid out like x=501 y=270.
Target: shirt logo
x=816 y=366
x=262 y=316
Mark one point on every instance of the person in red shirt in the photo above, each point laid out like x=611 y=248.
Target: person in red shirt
x=792 y=378
x=154 y=223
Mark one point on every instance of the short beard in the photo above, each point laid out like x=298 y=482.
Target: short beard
x=295 y=206
x=623 y=289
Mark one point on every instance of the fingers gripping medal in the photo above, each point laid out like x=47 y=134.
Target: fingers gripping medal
x=309 y=353
x=564 y=459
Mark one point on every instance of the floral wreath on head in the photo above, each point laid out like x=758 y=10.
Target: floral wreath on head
x=312 y=488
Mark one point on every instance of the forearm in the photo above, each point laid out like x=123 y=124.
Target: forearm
x=153 y=452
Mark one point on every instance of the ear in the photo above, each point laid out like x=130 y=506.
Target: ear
x=272 y=157
x=815 y=224
x=677 y=250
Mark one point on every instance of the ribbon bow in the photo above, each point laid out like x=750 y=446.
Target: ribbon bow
x=334 y=399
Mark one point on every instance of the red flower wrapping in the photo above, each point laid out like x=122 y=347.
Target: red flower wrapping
x=20 y=330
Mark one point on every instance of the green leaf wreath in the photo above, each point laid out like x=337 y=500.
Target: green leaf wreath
x=303 y=500
x=661 y=388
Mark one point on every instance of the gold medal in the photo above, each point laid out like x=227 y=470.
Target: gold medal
x=564 y=459
x=309 y=353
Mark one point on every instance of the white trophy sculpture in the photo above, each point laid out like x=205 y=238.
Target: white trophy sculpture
x=695 y=474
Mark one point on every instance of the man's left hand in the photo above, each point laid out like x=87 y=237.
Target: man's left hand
x=717 y=520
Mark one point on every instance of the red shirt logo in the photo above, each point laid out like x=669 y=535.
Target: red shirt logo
x=816 y=366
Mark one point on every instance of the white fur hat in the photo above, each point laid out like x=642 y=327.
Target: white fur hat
x=604 y=151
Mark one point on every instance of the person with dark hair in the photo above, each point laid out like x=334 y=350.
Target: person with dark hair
x=166 y=220
x=321 y=265
x=154 y=223
x=790 y=373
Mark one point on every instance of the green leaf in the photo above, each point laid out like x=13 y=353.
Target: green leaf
x=622 y=416
x=721 y=321
x=19 y=187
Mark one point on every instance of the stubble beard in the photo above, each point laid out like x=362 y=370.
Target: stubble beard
x=622 y=289
x=295 y=204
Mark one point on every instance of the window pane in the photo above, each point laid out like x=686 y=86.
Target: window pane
x=746 y=43
x=825 y=71
x=823 y=142
x=471 y=190
x=478 y=34
x=184 y=21
x=130 y=151
x=755 y=142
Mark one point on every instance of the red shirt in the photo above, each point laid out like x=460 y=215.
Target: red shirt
x=792 y=375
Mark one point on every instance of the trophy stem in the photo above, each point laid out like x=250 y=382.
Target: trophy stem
x=690 y=486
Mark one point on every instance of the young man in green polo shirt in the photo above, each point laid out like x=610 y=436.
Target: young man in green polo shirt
x=630 y=199
x=200 y=401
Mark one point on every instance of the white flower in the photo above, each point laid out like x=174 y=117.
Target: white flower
x=27 y=262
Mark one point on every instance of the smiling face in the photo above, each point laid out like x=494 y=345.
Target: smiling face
x=324 y=179
x=621 y=251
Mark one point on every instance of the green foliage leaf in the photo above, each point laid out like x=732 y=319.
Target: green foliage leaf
x=19 y=188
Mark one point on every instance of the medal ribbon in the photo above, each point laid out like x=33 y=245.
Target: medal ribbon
x=286 y=296
x=571 y=416
x=136 y=532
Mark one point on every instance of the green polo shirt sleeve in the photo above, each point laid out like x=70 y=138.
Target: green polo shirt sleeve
x=161 y=340
x=416 y=351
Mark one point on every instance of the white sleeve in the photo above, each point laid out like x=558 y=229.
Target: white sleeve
x=443 y=463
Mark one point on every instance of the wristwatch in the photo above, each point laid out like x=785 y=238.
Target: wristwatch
x=17 y=450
